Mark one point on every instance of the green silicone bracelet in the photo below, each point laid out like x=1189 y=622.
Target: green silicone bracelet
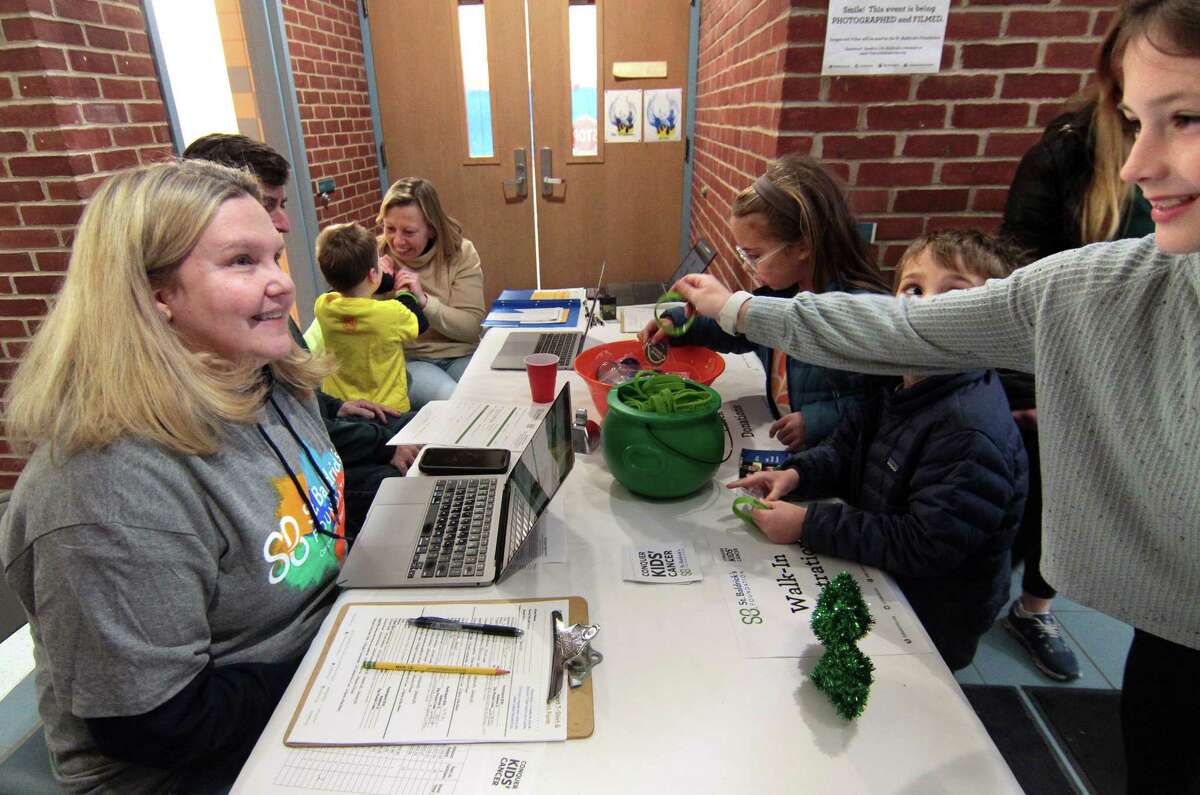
x=741 y=512
x=670 y=329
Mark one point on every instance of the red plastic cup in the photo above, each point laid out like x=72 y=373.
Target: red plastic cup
x=542 y=369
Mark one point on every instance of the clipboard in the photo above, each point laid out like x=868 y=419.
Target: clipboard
x=580 y=705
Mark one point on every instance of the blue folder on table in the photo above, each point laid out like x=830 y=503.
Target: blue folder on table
x=503 y=306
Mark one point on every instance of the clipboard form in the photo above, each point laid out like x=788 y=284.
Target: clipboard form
x=344 y=704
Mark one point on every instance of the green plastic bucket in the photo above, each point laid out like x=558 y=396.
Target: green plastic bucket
x=663 y=455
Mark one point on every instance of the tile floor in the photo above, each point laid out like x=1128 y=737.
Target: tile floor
x=1100 y=644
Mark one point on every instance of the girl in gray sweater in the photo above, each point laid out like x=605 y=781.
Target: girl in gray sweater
x=1111 y=333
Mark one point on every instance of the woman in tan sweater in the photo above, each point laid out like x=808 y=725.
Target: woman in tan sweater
x=428 y=255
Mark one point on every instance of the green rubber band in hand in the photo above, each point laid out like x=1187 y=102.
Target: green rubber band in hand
x=742 y=512
x=670 y=329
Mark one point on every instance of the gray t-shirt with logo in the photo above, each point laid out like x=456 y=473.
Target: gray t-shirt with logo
x=138 y=564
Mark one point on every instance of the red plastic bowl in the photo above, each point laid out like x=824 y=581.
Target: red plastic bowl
x=695 y=363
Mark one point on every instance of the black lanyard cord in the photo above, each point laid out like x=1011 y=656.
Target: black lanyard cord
x=333 y=495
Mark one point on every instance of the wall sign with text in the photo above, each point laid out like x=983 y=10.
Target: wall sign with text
x=884 y=37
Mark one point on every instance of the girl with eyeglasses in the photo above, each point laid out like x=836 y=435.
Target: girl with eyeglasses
x=794 y=232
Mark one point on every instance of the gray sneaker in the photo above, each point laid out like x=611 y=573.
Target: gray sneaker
x=1041 y=636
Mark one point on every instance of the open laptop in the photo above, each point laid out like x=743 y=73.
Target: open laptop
x=632 y=293
x=565 y=344
x=434 y=532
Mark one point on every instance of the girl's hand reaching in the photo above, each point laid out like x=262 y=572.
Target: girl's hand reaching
x=704 y=292
x=652 y=333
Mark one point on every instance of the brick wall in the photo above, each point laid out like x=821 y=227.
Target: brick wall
x=325 y=45
x=917 y=152
x=79 y=99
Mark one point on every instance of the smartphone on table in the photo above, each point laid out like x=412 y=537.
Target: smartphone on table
x=464 y=461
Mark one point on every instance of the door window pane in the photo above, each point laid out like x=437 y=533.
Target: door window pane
x=581 y=21
x=472 y=34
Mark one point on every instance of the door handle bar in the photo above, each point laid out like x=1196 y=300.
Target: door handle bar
x=519 y=184
x=547 y=171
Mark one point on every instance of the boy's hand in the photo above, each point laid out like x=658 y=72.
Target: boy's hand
x=781 y=522
x=404 y=456
x=387 y=265
x=789 y=430
x=703 y=292
x=771 y=484
x=366 y=409
x=409 y=280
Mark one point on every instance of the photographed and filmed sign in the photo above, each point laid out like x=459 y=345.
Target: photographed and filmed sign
x=886 y=37
x=770 y=592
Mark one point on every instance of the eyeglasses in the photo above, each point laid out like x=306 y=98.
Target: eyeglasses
x=753 y=262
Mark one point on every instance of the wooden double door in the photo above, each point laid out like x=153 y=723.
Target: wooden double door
x=620 y=205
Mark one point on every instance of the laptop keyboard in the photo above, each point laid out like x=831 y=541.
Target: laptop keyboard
x=562 y=345
x=455 y=538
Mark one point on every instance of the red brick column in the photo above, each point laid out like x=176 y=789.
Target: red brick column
x=79 y=99
x=326 y=49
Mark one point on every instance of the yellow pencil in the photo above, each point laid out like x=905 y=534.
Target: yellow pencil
x=432 y=669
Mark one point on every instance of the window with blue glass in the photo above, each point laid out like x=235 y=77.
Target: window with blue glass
x=472 y=35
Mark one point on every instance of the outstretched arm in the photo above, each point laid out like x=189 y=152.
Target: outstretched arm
x=989 y=326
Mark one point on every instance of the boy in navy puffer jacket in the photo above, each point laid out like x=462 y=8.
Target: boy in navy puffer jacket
x=932 y=474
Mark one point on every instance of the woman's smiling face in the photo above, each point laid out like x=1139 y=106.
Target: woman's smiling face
x=229 y=296
x=1161 y=100
x=406 y=231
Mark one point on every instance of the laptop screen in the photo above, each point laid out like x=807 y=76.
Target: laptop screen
x=696 y=261
x=539 y=471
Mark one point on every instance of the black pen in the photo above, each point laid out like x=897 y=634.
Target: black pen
x=430 y=622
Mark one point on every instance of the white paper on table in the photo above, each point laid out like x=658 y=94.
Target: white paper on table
x=547 y=542
x=634 y=318
x=462 y=423
x=345 y=704
x=770 y=593
x=661 y=563
x=411 y=769
x=540 y=315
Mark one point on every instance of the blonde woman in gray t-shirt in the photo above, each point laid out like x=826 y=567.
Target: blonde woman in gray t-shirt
x=175 y=536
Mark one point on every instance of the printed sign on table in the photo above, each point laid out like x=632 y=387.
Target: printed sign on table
x=771 y=590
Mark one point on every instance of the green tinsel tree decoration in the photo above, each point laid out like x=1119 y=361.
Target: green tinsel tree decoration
x=839 y=621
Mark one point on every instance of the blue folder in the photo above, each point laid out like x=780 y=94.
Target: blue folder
x=502 y=305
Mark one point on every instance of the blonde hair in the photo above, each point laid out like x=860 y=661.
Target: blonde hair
x=105 y=364
x=1107 y=197
x=448 y=233
x=345 y=254
x=804 y=204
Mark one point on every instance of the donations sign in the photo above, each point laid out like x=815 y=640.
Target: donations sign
x=884 y=37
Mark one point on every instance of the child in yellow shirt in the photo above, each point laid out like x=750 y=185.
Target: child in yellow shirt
x=366 y=335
